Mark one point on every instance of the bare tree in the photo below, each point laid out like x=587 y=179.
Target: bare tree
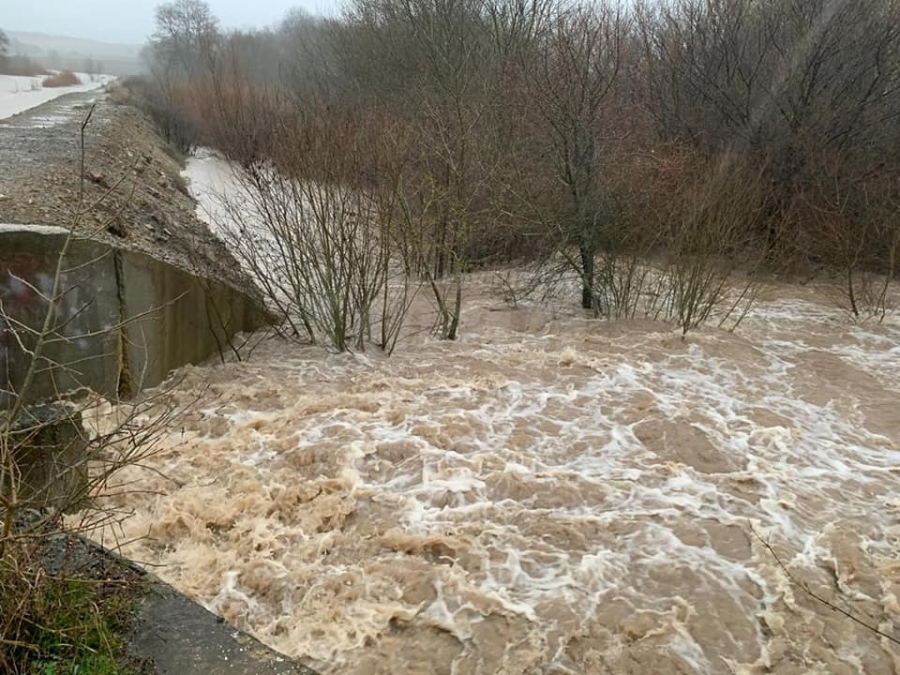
x=536 y=129
x=573 y=85
x=185 y=38
x=183 y=49
x=308 y=63
x=796 y=84
x=430 y=63
x=4 y=48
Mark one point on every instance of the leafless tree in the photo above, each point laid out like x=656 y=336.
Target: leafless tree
x=542 y=129
x=796 y=84
x=430 y=63
x=572 y=83
x=186 y=36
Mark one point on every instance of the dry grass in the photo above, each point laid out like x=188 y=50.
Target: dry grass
x=66 y=78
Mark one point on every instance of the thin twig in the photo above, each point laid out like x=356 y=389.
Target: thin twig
x=815 y=596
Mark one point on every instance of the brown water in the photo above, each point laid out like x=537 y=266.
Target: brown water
x=547 y=495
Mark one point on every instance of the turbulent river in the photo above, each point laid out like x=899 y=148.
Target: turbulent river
x=549 y=494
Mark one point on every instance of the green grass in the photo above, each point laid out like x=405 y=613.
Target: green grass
x=63 y=625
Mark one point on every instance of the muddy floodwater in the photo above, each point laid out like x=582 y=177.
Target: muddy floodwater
x=549 y=494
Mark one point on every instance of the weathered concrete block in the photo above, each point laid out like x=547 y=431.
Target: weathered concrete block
x=48 y=444
x=174 y=317
x=120 y=322
x=80 y=347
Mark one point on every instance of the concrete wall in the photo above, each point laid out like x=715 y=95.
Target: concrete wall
x=48 y=445
x=175 y=317
x=123 y=322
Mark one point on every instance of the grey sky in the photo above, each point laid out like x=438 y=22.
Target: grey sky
x=131 y=21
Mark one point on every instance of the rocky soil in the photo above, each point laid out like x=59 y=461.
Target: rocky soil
x=129 y=193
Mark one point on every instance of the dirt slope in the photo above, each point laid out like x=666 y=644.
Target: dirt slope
x=130 y=193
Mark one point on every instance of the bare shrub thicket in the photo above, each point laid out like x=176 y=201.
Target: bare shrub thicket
x=64 y=78
x=316 y=233
x=548 y=132
x=433 y=66
x=712 y=250
x=694 y=260
x=794 y=87
x=859 y=235
x=166 y=105
x=183 y=48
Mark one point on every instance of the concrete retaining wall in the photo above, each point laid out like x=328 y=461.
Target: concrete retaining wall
x=124 y=320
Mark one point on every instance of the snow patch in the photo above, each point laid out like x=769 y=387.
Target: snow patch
x=39 y=229
x=18 y=94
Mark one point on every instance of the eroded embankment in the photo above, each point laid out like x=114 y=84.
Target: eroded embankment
x=130 y=195
x=549 y=494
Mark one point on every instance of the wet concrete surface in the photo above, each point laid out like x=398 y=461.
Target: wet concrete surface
x=180 y=637
x=169 y=634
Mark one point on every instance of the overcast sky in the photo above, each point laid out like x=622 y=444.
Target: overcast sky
x=131 y=21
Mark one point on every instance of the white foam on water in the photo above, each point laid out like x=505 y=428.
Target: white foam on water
x=588 y=499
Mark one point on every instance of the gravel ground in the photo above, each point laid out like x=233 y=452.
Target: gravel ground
x=130 y=193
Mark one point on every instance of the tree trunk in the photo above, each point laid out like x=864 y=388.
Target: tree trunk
x=587 y=274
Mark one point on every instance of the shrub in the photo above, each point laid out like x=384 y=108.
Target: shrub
x=54 y=622
x=65 y=78
x=162 y=105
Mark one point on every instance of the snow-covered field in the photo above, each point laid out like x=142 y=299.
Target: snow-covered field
x=18 y=94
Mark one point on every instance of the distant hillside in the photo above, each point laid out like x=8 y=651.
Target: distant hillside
x=57 y=51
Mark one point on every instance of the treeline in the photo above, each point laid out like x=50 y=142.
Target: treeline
x=741 y=133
